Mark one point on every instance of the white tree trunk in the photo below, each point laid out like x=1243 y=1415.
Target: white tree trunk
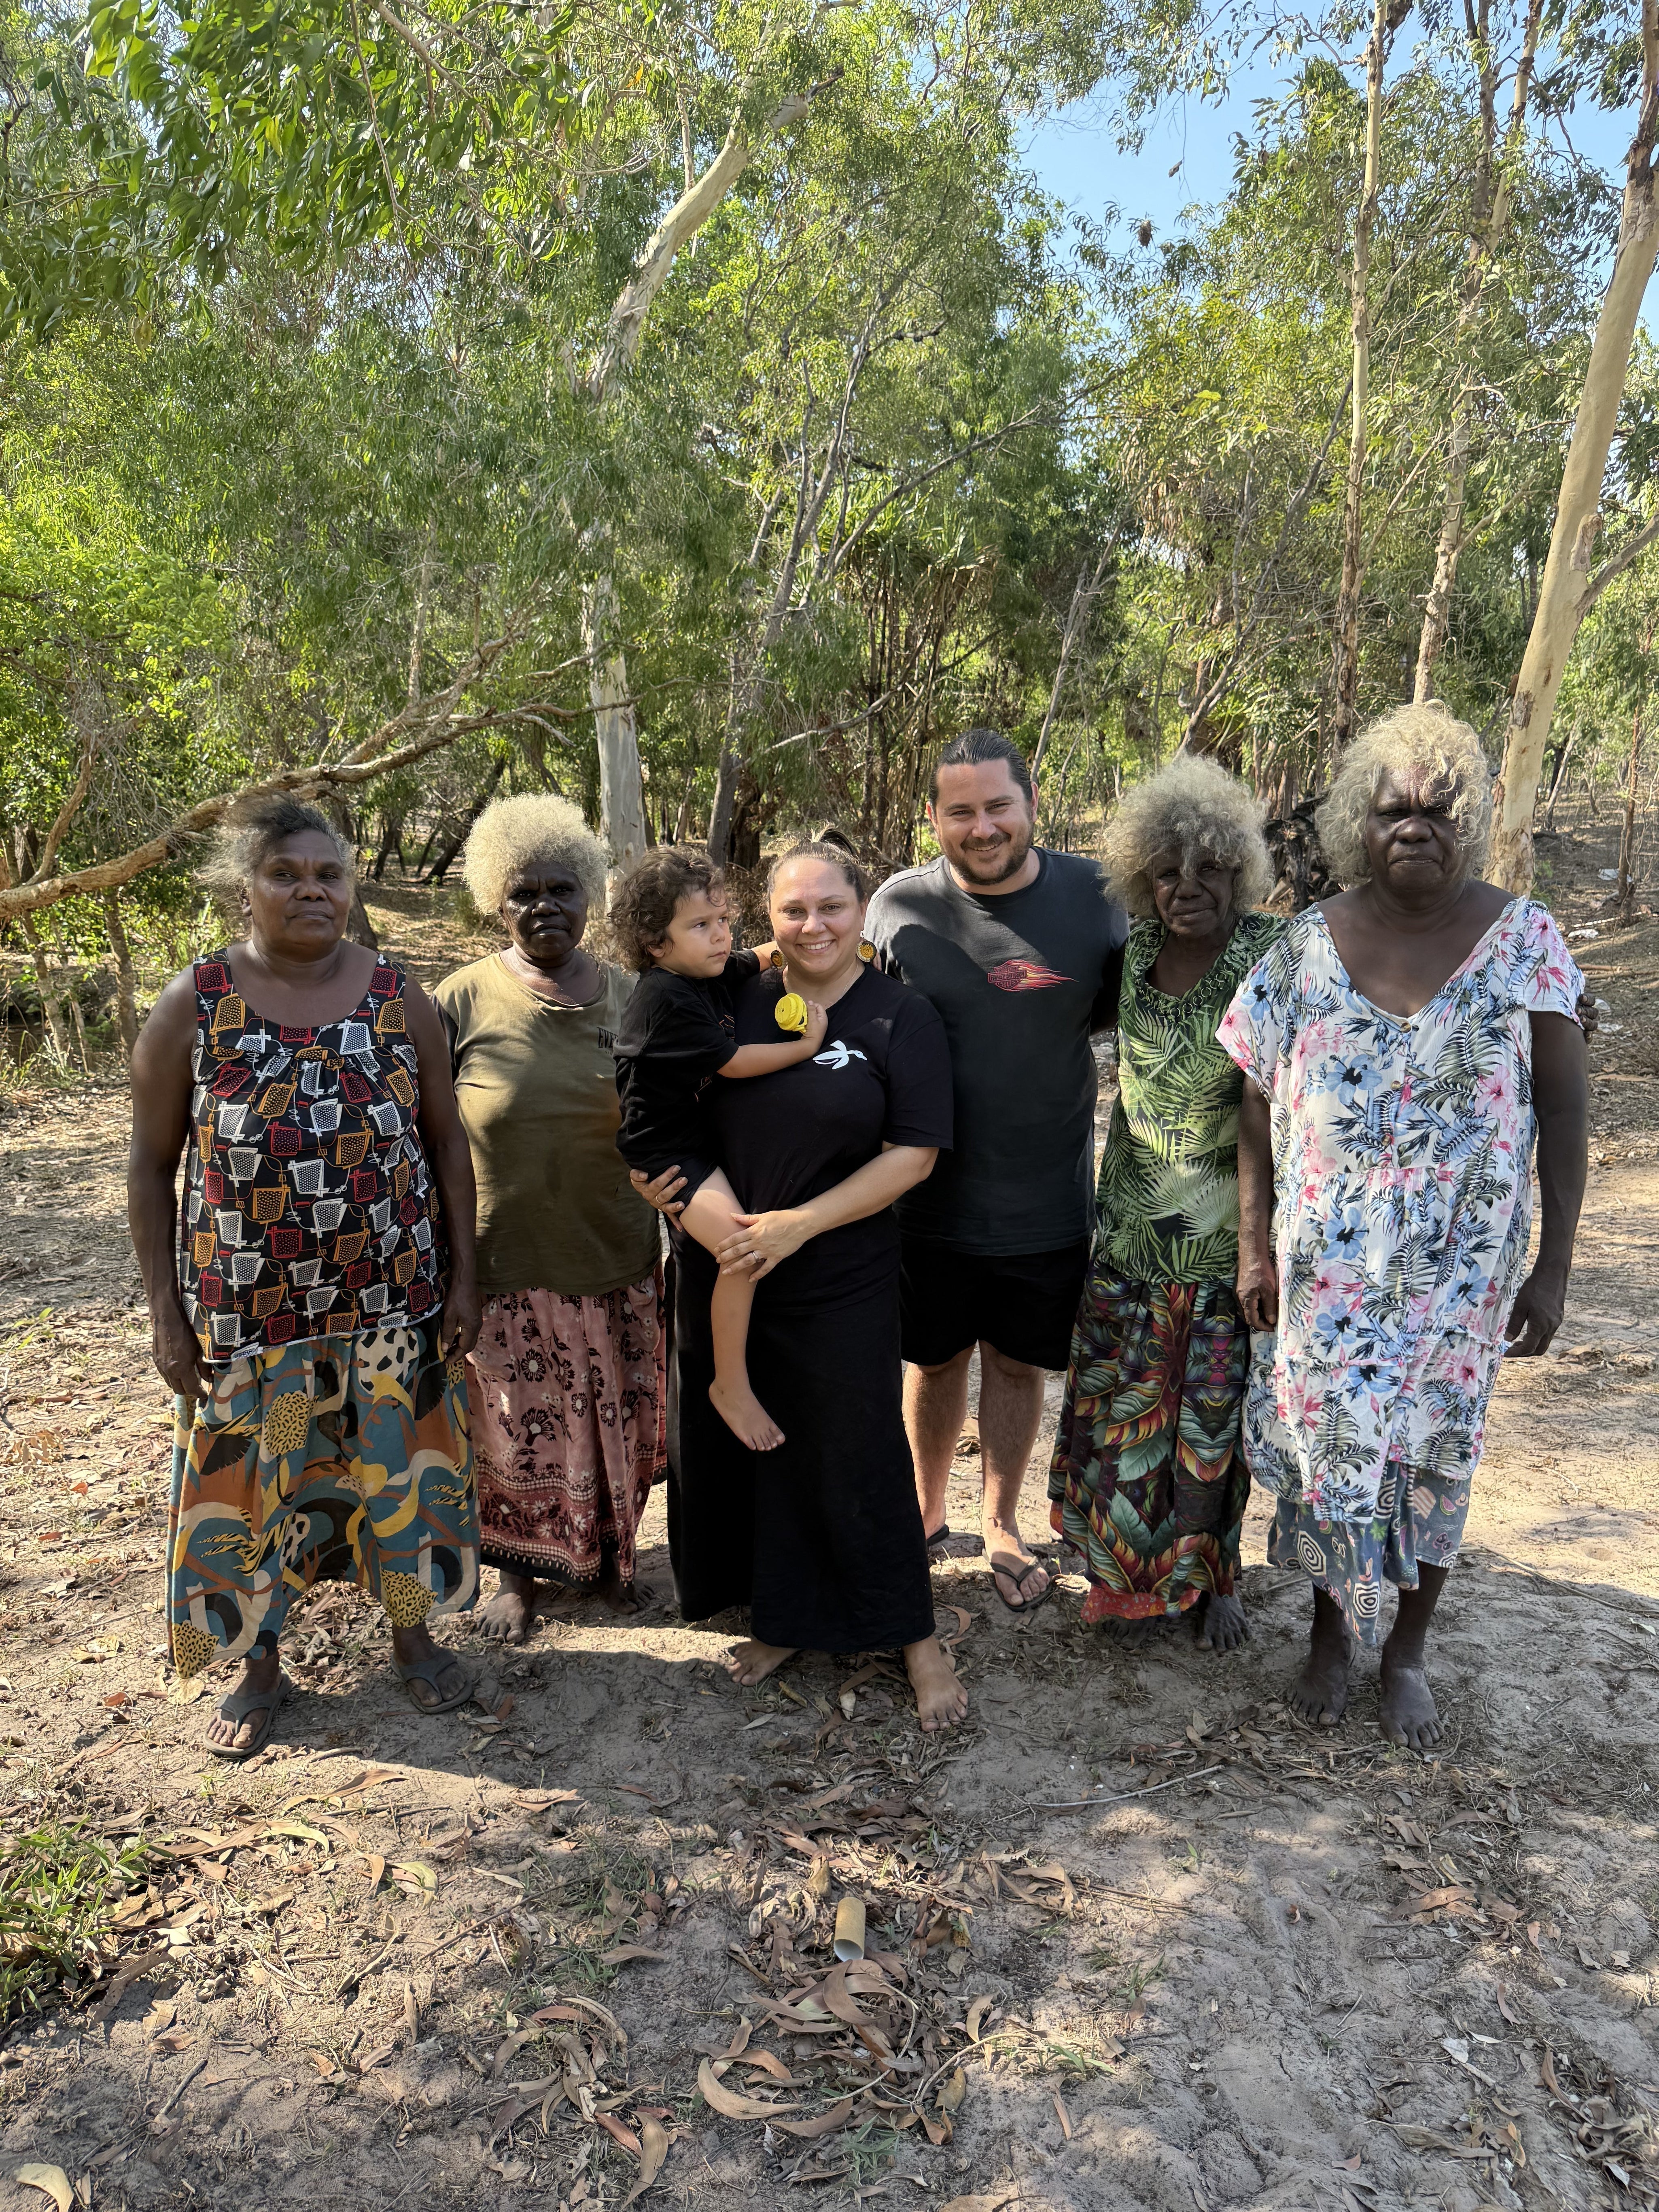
x=1347 y=684
x=1566 y=593
x=622 y=794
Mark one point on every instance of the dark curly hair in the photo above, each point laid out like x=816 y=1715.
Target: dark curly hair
x=647 y=898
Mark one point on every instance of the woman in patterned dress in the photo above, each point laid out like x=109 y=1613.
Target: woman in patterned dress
x=566 y=1380
x=1404 y=1042
x=1147 y=1480
x=311 y=1301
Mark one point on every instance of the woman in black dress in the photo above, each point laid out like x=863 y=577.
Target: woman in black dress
x=821 y=1538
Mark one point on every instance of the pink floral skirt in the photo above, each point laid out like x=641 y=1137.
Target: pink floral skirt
x=567 y=1408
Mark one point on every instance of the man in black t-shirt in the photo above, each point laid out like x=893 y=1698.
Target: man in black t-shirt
x=1021 y=950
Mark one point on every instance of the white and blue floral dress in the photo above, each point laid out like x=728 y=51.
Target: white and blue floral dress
x=1402 y=1155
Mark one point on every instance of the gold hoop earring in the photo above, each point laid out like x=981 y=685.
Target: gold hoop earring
x=866 y=950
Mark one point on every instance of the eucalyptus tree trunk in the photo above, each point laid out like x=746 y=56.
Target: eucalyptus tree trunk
x=622 y=790
x=622 y=794
x=1568 y=590
x=1490 y=211
x=45 y=980
x=1624 y=896
x=1345 y=687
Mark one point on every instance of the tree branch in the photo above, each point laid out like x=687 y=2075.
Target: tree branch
x=1611 y=570
x=70 y=807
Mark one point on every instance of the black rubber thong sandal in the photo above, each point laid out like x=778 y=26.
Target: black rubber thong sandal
x=940 y=1535
x=432 y=1672
x=1018 y=1572
x=242 y=1704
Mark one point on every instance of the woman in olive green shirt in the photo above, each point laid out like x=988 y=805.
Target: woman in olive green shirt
x=566 y=1381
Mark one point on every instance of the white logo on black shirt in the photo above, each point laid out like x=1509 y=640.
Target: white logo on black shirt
x=839 y=1055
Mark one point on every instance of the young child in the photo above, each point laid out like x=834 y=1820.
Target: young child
x=668 y=915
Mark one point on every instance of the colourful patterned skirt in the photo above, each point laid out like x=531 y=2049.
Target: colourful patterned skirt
x=1148 y=1479
x=1419 y=1522
x=343 y=1459
x=569 y=1420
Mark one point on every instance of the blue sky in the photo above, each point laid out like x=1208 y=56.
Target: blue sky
x=1075 y=158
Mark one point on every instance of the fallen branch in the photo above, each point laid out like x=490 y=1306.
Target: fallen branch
x=375 y=756
x=1078 y=1804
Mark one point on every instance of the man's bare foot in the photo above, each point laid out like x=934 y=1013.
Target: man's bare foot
x=941 y=1701
x=510 y=1615
x=744 y=1415
x=1002 y=1543
x=1221 y=1623
x=1320 y=1693
x=751 y=1661
x=1407 y=1712
x=258 y=1675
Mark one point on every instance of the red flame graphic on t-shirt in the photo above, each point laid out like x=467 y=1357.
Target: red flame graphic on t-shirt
x=1024 y=975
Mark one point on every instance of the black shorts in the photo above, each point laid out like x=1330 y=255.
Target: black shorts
x=1023 y=1304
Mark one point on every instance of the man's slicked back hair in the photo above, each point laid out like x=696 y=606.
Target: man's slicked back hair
x=976 y=749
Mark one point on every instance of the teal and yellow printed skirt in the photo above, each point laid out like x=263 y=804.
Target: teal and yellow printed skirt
x=1147 y=1480
x=345 y=1459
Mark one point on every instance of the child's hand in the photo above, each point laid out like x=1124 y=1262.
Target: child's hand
x=817 y=1023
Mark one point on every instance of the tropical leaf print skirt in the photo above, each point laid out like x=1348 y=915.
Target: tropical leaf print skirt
x=345 y=1459
x=1148 y=1479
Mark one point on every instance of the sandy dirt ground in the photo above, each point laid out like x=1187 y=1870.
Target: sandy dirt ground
x=523 y=1953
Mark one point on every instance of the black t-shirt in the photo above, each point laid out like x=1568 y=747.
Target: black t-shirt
x=1019 y=979
x=673 y=1039
x=882 y=1076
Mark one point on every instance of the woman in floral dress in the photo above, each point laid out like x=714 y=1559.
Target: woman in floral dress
x=1147 y=1480
x=1405 y=1041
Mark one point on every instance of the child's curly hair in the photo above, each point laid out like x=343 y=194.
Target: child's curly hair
x=647 y=899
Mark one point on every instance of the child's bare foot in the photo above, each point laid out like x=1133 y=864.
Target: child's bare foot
x=941 y=1701
x=744 y=1415
x=751 y=1661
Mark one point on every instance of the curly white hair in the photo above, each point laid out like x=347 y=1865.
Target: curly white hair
x=533 y=827
x=1196 y=808
x=1429 y=740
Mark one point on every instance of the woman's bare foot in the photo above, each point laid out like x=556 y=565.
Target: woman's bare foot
x=941 y=1701
x=258 y=1675
x=751 y=1661
x=1407 y=1712
x=744 y=1415
x=510 y=1615
x=1320 y=1693
x=1130 y=1635
x=1221 y=1623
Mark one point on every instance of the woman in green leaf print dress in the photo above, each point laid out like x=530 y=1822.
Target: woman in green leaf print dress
x=1148 y=1479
